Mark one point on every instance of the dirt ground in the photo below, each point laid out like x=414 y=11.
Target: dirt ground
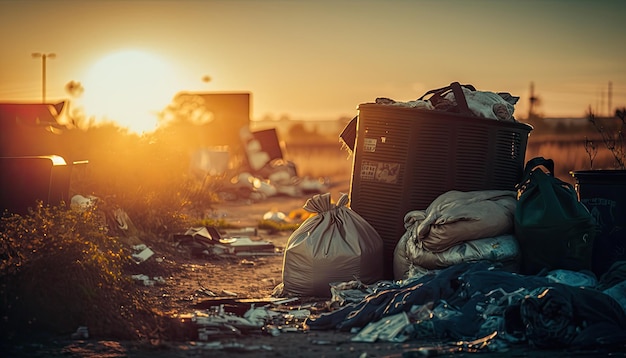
x=234 y=284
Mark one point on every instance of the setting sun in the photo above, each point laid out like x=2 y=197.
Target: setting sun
x=129 y=87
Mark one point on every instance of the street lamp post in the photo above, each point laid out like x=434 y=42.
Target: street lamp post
x=43 y=57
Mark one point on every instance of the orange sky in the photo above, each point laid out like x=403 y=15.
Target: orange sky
x=318 y=59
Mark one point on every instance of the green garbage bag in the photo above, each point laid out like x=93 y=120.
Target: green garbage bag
x=553 y=228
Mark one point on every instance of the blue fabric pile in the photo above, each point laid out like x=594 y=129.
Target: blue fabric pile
x=474 y=299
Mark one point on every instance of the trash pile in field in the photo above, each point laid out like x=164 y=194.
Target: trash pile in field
x=278 y=179
x=476 y=291
x=473 y=300
x=478 y=304
x=461 y=274
x=474 y=306
x=264 y=174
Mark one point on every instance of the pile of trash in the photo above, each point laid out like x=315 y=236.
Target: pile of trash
x=223 y=318
x=474 y=300
x=475 y=303
x=209 y=241
x=264 y=172
x=456 y=268
x=279 y=178
x=470 y=307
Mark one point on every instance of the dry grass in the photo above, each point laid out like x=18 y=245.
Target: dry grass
x=321 y=160
x=568 y=153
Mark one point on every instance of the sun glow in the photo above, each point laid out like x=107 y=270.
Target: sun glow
x=129 y=88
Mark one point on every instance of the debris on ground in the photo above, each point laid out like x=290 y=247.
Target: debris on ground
x=208 y=241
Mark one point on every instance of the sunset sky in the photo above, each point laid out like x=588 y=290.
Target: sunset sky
x=314 y=59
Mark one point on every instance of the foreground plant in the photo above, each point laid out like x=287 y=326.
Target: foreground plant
x=60 y=270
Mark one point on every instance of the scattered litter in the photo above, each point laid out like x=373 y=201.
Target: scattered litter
x=272 y=330
x=321 y=342
x=276 y=216
x=245 y=246
x=81 y=333
x=268 y=174
x=160 y=280
x=82 y=203
x=208 y=240
x=231 y=346
x=140 y=247
x=347 y=292
x=487 y=343
x=223 y=317
x=207 y=333
x=573 y=278
x=229 y=293
x=483 y=308
x=147 y=281
x=121 y=219
x=206 y=292
x=144 y=254
x=246 y=231
x=387 y=329
x=285 y=300
x=300 y=214
x=260 y=316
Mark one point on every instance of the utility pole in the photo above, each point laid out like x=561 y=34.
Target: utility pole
x=610 y=98
x=43 y=57
x=533 y=100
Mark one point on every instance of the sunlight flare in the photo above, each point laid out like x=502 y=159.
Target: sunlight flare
x=129 y=88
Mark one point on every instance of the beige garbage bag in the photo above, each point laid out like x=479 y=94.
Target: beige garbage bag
x=336 y=245
x=456 y=216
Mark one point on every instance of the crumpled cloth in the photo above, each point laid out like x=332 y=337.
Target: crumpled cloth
x=503 y=248
x=393 y=300
x=457 y=216
x=488 y=104
x=562 y=316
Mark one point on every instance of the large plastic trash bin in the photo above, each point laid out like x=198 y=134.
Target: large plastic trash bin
x=404 y=158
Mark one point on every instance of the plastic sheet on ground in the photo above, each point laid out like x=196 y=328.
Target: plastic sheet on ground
x=470 y=301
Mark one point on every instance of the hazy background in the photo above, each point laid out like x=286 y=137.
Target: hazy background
x=318 y=59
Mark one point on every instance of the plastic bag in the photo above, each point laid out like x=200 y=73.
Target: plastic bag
x=335 y=245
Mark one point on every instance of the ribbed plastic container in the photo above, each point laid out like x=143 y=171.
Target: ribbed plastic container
x=404 y=158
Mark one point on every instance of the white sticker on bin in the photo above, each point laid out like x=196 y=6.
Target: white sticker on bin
x=369 y=144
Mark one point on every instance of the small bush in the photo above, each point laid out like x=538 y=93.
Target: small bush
x=61 y=270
